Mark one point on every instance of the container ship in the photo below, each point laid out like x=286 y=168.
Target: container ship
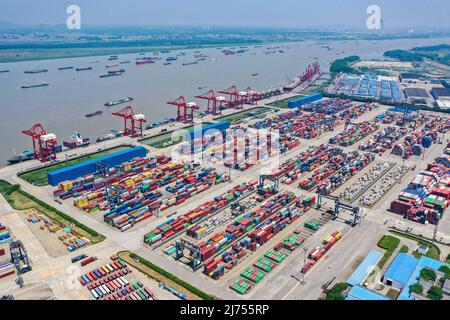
x=109 y=136
x=42 y=84
x=83 y=69
x=116 y=102
x=93 y=114
x=36 y=71
x=76 y=141
x=24 y=156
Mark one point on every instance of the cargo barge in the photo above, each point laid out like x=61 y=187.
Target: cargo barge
x=24 y=156
x=144 y=62
x=116 y=102
x=83 y=69
x=4 y=71
x=93 y=114
x=36 y=71
x=65 y=68
x=190 y=63
x=42 y=84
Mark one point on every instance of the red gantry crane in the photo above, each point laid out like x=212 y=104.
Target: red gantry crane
x=133 y=123
x=235 y=100
x=215 y=104
x=252 y=95
x=43 y=143
x=185 y=111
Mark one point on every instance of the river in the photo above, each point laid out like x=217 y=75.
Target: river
x=61 y=107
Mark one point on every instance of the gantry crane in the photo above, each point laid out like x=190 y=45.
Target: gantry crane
x=252 y=95
x=183 y=244
x=339 y=205
x=215 y=104
x=20 y=259
x=235 y=101
x=185 y=111
x=133 y=123
x=274 y=179
x=43 y=143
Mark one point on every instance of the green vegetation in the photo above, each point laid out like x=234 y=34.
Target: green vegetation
x=428 y=274
x=283 y=103
x=172 y=277
x=342 y=65
x=336 y=291
x=238 y=116
x=38 y=177
x=389 y=243
x=403 y=55
x=164 y=140
x=433 y=250
x=404 y=249
x=21 y=200
x=435 y=293
x=416 y=288
x=446 y=270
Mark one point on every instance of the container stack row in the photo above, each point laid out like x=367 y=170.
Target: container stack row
x=173 y=227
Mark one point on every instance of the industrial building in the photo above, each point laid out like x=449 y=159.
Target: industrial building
x=441 y=93
x=88 y=167
x=360 y=293
x=365 y=268
x=400 y=270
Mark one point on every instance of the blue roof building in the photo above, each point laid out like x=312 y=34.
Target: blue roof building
x=400 y=270
x=360 y=293
x=423 y=262
x=365 y=268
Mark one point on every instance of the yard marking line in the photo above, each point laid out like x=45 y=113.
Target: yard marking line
x=290 y=291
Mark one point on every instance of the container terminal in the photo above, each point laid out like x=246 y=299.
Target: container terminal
x=281 y=194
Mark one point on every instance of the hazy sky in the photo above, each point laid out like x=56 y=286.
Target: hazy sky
x=271 y=13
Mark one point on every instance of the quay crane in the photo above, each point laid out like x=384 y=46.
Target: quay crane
x=215 y=104
x=133 y=123
x=252 y=95
x=185 y=111
x=235 y=100
x=43 y=143
x=339 y=205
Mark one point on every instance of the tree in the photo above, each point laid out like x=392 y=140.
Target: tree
x=435 y=293
x=416 y=288
x=428 y=274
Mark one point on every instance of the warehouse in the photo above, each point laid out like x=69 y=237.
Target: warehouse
x=400 y=270
x=304 y=100
x=360 y=293
x=365 y=268
x=441 y=93
x=87 y=167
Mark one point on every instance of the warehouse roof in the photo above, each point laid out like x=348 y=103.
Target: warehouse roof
x=416 y=92
x=364 y=268
x=360 y=293
x=407 y=75
x=401 y=268
x=440 y=92
x=424 y=262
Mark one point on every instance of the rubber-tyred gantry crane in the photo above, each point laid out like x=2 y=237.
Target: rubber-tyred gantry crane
x=236 y=99
x=133 y=123
x=215 y=104
x=185 y=111
x=43 y=143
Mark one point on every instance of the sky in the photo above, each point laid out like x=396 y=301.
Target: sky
x=410 y=14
